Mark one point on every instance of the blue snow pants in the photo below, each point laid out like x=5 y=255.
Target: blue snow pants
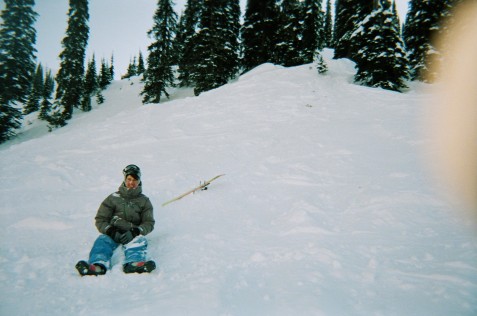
x=104 y=247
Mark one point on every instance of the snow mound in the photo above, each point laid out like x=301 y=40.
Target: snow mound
x=264 y=68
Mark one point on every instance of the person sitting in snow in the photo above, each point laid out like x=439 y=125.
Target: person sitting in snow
x=123 y=218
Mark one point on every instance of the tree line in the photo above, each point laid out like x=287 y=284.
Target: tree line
x=209 y=44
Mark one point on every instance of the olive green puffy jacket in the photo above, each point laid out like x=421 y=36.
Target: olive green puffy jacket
x=130 y=205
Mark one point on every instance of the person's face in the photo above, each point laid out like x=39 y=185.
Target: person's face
x=131 y=183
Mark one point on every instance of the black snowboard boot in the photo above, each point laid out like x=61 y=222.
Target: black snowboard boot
x=139 y=267
x=90 y=269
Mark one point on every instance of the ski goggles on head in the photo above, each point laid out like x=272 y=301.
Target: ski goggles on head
x=132 y=170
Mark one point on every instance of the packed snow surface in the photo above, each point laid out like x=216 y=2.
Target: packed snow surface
x=326 y=208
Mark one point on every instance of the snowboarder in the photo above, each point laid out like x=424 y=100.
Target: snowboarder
x=123 y=218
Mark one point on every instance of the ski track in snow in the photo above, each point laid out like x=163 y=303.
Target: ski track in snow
x=326 y=207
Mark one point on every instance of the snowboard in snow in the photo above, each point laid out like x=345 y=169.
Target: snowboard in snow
x=203 y=186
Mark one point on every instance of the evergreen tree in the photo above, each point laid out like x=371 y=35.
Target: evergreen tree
x=70 y=76
x=314 y=37
x=396 y=19
x=99 y=97
x=328 y=27
x=48 y=88
x=179 y=47
x=132 y=69
x=17 y=62
x=184 y=42
x=159 y=74
x=348 y=15
x=90 y=85
x=104 y=78
x=231 y=34
x=140 y=65
x=36 y=92
x=290 y=38
x=216 y=45
x=321 y=65
x=10 y=119
x=259 y=36
x=178 y=42
x=422 y=25
x=111 y=69
x=381 y=60
x=17 y=51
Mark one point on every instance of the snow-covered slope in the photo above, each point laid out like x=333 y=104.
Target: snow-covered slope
x=326 y=207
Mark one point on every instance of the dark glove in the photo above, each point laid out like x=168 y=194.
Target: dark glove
x=129 y=235
x=121 y=224
x=114 y=234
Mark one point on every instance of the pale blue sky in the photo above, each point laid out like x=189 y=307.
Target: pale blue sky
x=116 y=26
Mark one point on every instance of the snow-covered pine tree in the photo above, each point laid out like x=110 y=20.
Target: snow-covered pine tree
x=290 y=44
x=314 y=37
x=17 y=62
x=258 y=33
x=447 y=21
x=231 y=34
x=184 y=41
x=178 y=41
x=140 y=65
x=216 y=45
x=423 y=24
x=397 y=20
x=159 y=75
x=17 y=49
x=328 y=26
x=381 y=60
x=320 y=63
x=90 y=85
x=36 y=92
x=48 y=88
x=70 y=76
x=348 y=15
x=179 y=47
